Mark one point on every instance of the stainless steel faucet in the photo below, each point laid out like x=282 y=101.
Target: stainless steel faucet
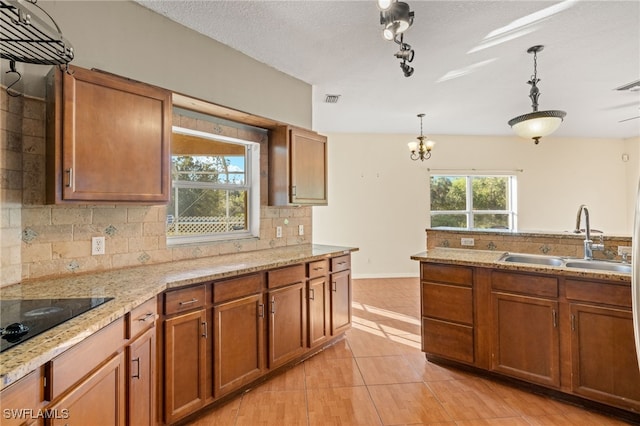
x=589 y=246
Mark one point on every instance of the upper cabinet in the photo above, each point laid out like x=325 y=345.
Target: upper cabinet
x=297 y=167
x=108 y=139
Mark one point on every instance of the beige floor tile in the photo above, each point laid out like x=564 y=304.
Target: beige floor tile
x=382 y=370
x=505 y=421
x=323 y=372
x=340 y=349
x=224 y=415
x=431 y=372
x=273 y=408
x=371 y=341
x=407 y=403
x=526 y=403
x=291 y=379
x=341 y=407
x=470 y=399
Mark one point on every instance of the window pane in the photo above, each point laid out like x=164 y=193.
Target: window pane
x=448 y=193
x=206 y=211
x=209 y=168
x=489 y=193
x=449 y=220
x=491 y=221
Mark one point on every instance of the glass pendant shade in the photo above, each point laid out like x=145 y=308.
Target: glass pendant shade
x=537 y=124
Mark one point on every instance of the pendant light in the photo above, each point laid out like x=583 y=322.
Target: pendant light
x=536 y=124
x=421 y=150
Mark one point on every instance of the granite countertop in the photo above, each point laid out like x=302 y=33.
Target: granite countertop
x=130 y=288
x=491 y=259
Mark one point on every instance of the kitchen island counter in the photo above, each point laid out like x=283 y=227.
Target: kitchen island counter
x=130 y=288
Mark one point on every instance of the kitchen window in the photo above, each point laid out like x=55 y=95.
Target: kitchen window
x=215 y=188
x=473 y=202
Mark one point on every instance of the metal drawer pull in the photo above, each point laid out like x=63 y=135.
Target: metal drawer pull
x=137 y=361
x=204 y=329
x=318 y=268
x=342 y=263
x=145 y=317
x=312 y=294
x=70 y=173
x=188 y=302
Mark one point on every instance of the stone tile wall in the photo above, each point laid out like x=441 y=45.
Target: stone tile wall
x=558 y=244
x=39 y=240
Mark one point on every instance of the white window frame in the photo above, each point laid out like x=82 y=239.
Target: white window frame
x=470 y=212
x=251 y=185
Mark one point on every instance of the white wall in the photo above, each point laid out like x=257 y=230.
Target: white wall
x=378 y=197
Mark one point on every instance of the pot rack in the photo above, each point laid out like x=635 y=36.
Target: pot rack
x=25 y=37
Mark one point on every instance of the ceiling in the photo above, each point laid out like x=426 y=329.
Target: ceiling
x=471 y=64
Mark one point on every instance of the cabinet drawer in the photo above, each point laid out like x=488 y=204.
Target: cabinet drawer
x=341 y=263
x=73 y=364
x=600 y=293
x=237 y=288
x=448 y=340
x=447 y=302
x=184 y=299
x=142 y=317
x=524 y=283
x=450 y=274
x=318 y=268
x=286 y=276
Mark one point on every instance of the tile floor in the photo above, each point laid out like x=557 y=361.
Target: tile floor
x=379 y=376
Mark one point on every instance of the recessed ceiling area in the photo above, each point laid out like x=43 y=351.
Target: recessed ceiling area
x=471 y=61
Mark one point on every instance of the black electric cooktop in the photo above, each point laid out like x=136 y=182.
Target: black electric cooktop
x=22 y=319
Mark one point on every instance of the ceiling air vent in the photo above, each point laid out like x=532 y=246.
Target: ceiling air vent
x=631 y=87
x=331 y=99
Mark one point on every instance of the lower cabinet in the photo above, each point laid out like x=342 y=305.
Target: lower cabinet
x=525 y=338
x=97 y=400
x=287 y=323
x=142 y=372
x=238 y=343
x=185 y=338
x=22 y=398
x=340 y=302
x=318 y=310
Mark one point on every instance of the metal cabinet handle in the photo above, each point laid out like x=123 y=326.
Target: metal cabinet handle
x=204 y=329
x=188 y=302
x=342 y=263
x=70 y=174
x=312 y=294
x=573 y=322
x=318 y=268
x=293 y=191
x=137 y=361
x=261 y=310
x=555 y=318
x=334 y=286
x=273 y=305
x=146 y=317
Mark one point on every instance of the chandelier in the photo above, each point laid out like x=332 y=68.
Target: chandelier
x=536 y=124
x=421 y=150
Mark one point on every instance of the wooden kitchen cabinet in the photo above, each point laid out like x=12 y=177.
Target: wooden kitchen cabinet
x=297 y=167
x=447 y=311
x=318 y=306
x=604 y=364
x=286 y=304
x=98 y=400
x=340 y=294
x=238 y=337
x=185 y=339
x=141 y=381
x=22 y=399
x=108 y=139
x=526 y=340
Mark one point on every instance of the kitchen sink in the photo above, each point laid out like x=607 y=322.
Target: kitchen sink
x=533 y=259
x=599 y=265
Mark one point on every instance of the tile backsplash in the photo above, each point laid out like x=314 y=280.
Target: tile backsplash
x=39 y=240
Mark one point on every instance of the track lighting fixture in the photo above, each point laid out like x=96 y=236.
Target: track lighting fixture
x=396 y=17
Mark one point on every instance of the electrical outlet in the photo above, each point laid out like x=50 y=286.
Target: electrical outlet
x=300 y=229
x=624 y=250
x=467 y=241
x=97 y=246
x=278 y=231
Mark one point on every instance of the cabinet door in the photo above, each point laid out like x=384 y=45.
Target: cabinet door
x=340 y=302
x=604 y=363
x=142 y=372
x=308 y=167
x=97 y=400
x=287 y=323
x=238 y=343
x=319 y=310
x=525 y=338
x=185 y=364
x=111 y=139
